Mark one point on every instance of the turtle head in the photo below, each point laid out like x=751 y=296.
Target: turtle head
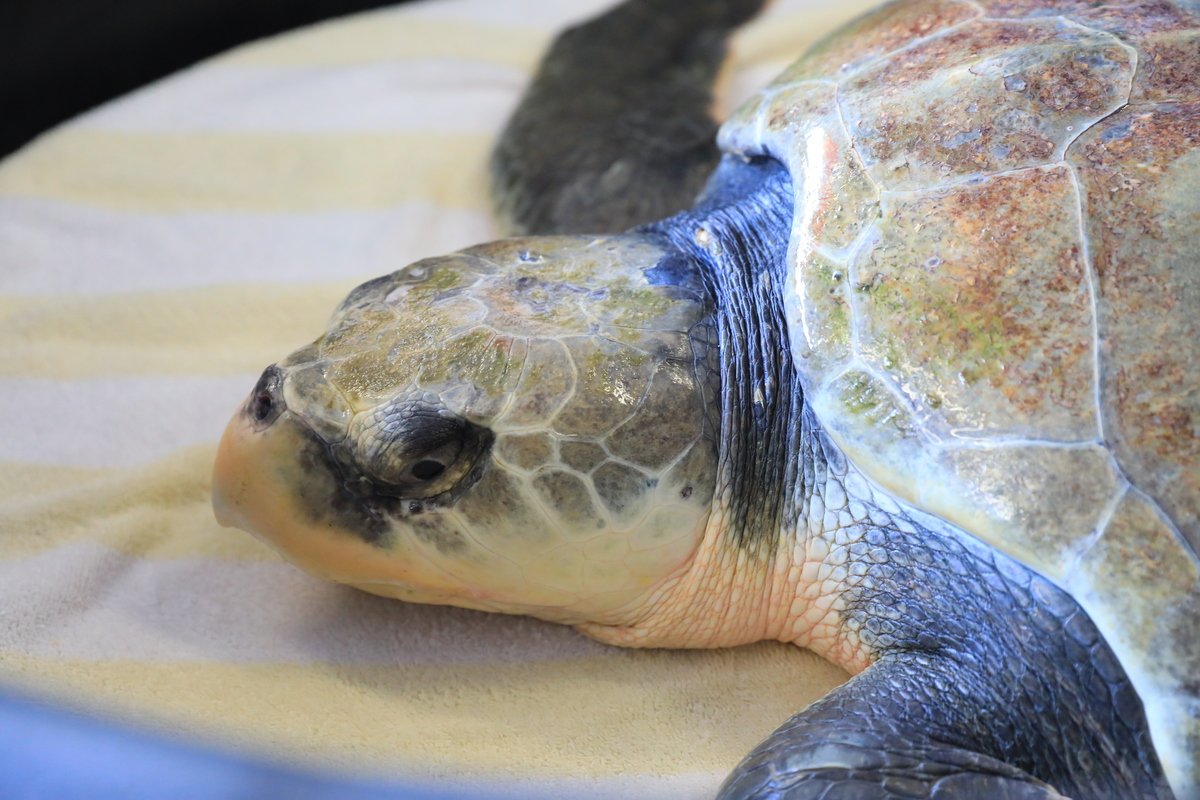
x=528 y=426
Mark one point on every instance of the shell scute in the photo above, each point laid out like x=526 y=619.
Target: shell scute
x=975 y=300
x=1042 y=500
x=1156 y=629
x=984 y=98
x=1169 y=68
x=1045 y=500
x=1139 y=171
x=822 y=314
x=1127 y=18
x=874 y=426
x=800 y=125
x=1163 y=33
x=890 y=28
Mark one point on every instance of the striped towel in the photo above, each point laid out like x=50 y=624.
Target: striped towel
x=155 y=254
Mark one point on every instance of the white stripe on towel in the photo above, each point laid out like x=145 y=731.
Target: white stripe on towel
x=113 y=422
x=48 y=245
x=418 y=95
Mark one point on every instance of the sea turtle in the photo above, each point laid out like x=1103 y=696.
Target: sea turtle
x=915 y=384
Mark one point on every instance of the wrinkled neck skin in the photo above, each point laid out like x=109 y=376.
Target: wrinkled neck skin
x=754 y=575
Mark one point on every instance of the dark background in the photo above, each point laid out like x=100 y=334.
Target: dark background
x=61 y=57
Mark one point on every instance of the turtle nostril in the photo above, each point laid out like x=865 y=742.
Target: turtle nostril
x=266 y=401
x=428 y=469
x=261 y=405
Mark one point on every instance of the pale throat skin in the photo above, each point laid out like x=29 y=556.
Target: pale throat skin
x=789 y=590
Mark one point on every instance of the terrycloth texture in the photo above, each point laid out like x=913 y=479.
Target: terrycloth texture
x=154 y=256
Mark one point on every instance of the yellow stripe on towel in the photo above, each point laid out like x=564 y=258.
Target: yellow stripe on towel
x=252 y=171
x=386 y=36
x=619 y=713
x=162 y=510
x=21 y=482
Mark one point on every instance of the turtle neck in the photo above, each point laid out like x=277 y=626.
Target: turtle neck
x=738 y=234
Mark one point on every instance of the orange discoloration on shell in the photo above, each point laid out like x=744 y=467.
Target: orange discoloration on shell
x=802 y=127
x=1163 y=33
x=1169 y=68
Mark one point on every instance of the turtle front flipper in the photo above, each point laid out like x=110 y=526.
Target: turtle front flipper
x=865 y=740
x=615 y=129
x=985 y=681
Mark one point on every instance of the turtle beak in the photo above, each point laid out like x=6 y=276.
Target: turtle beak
x=261 y=486
x=229 y=489
x=251 y=444
x=256 y=471
x=255 y=476
x=241 y=475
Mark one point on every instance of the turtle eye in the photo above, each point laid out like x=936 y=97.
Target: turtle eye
x=427 y=469
x=431 y=465
x=413 y=450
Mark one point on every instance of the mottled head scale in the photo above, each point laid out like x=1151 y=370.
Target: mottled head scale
x=915 y=384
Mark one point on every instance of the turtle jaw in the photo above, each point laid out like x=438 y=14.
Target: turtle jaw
x=236 y=476
x=256 y=477
x=276 y=483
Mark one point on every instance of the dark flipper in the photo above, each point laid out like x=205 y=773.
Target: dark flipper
x=866 y=741
x=1017 y=698
x=989 y=682
x=615 y=130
